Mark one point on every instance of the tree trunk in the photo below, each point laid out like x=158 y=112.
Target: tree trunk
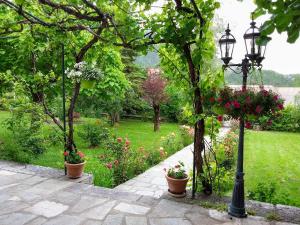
x=199 y=124
x=37 y=97
x=76 y=90
x=70 y=141
x=156 y=121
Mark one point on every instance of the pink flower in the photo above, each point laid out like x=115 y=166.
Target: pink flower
x=258 y=109
x=81 y=155
x=248 y=125
x=220 y=118
x=276 y=97
x=227 y=105
x=66 y=153
x=119 y=139
x=108 y=165
x=236 y=104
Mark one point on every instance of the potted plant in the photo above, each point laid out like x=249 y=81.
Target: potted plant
x=74 y=163
x=177 y=179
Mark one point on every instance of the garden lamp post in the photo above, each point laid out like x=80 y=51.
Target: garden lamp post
x=253 y=58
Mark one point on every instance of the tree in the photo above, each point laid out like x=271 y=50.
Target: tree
x=154 y=93
x=185 y=27
x=84 y=23
x=285 y=17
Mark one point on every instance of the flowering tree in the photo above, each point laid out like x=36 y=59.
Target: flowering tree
x=154 y=93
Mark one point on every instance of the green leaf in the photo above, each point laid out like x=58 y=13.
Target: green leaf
x=267 y=28
x=293 y=35
x=88 y=84
x=19 y=2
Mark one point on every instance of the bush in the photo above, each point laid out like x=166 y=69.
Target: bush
x=263 y=192
x=226 y=149
x=269 y=192
x=118 y=159
x=55 y=137
x=171 y=143
x=187 y=135
x=25 y=124
x=287 y=120
x=14 y=152
x=94 y=133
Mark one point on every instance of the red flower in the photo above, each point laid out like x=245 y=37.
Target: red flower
x=220 y=118
x=227 y=105
x=276 y=97
x=220 y=100
x=116 y=162
x=108 y=165
x=248 y=125
x=269 y=123
x=66 y=153
x=211 y=99
x=265 y=92
x=248 y=99
x=119 y=139
x=81 y=155
x=127 y=142
x=258 y=109
x=280 y=106
x=236 y=104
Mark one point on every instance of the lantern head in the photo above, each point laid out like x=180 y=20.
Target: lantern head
x=226 y=43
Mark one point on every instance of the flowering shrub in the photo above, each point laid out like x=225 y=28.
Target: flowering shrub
x=83 y=71
x=171 y=143
x=225 y=150
x=177 y=172
x=119 y=159
x=74 y=157
x=187 y=134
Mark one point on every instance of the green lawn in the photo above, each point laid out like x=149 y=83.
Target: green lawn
x=139 y=133
x=274 y=157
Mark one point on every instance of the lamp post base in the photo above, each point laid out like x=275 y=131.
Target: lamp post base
x=237 y=206
x=237 y=212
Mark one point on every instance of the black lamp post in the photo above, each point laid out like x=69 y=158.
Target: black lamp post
x=253 y=58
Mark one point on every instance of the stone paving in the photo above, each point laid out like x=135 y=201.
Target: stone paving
x=27 y=199
x=152 y=182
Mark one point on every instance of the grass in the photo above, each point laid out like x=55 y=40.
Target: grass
x=139 y=133
x=274 y=157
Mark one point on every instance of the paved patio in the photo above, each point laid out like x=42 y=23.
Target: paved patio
x=31 y=199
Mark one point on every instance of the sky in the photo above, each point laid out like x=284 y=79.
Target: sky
x=280 y=56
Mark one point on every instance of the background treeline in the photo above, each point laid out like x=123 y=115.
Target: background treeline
x=267 y=77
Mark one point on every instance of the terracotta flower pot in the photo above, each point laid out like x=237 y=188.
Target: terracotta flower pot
x=74 y=170
x=177 y=186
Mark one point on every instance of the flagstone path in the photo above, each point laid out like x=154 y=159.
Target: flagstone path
x=153 y=182
x=33 y=199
